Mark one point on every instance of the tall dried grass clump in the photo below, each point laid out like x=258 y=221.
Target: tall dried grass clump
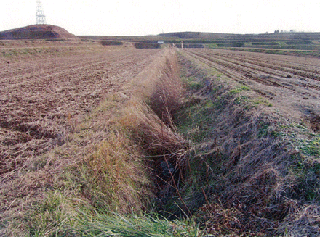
x=114 y=176
x=146 y=128
x=167 y=94
x=148 y=115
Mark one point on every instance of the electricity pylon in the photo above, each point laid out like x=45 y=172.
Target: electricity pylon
x=41 y=18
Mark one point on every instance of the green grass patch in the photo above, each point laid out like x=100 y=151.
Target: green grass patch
x=307 y=174
x=263 y=130
x=50 y=215
x=241 y=99
x=311 y=147
x=262 y=101
x=58 y=215
x=117 y=225
x=195 y=122
x=239 y=89
x=191 y=84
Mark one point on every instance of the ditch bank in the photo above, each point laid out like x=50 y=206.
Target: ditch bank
x=115 y=162
x=249 y=170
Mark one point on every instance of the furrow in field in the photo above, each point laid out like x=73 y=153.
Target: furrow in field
x=283 y=65
x=275 y=80
x=265 y=75
x=271 y=76
x=38 y=107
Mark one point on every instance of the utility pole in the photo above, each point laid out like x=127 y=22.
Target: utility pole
x=41 y=18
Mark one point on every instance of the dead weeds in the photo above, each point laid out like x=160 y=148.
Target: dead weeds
x=240 y=173
x=101 y=166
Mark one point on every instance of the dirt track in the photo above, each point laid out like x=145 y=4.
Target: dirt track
x=290 y=83
x=41 y=98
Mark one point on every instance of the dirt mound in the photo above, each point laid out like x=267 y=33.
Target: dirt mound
x=37 y=32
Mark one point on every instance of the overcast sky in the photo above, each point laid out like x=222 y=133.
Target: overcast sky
x=147 y=17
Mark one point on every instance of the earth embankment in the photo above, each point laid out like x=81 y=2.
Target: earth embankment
x=254 y=166
x=37 y=32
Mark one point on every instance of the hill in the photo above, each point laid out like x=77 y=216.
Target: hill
x=243 y=37
x=293 y=43
x=37 y=32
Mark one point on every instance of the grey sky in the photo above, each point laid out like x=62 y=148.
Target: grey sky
x=142 y=17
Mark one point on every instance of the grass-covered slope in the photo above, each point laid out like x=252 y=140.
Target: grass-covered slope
x=250 y=171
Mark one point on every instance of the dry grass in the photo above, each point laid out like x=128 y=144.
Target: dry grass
x=114 y=176
x=103 y=164
x=241 y=176
x=166 y=98
x=150 y=131
x=115 y=173
x=246 y=176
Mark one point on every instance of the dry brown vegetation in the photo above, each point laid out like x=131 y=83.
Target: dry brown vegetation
x=228 y=139
x=44 y=115
x=94 y=106
x=260 y=157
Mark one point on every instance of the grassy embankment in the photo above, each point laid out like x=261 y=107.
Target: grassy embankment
x=250 y=170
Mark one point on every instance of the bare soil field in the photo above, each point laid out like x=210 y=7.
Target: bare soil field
x=76 y=122
x=42 y=97
x=290 y=83
x=18 y=50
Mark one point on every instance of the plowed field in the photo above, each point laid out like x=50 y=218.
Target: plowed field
x=40 y=98
x=291 y=83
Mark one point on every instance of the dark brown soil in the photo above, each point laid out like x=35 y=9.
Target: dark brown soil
x=37 y=32
x=42 y=98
